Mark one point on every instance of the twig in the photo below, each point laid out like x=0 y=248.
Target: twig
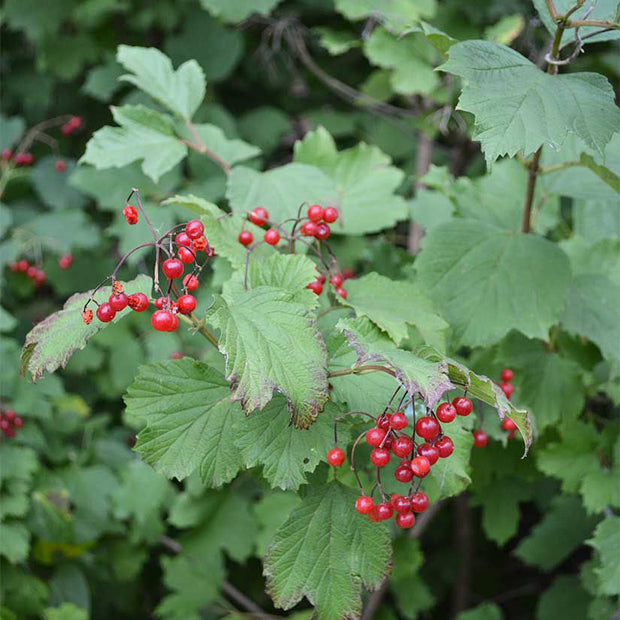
x=359 y=370
x=201 y=147
x=532 y=174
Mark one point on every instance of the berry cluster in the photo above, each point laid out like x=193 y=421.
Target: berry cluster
x=9 y=423
x=418 y=456
x=36 y=274
x=71 y=126
x=506 y=376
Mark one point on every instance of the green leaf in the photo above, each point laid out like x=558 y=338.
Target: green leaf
x=336 y=42
x=441 y=41
x=238 y=10
x=272 y=342
x=189 y=420
x=393 y=305
x=35 y=19
x=488 y=281
x=286 y=453
x=103 y=81
x=144 y=135
x=564 y=528
x=265 y=126
x=181 y=91
x=599 y=487
x=537 y=109
x=506 y=30
x=7 y=321
x=486 y=611
x=604 y=173
x=364 y=179
x=52 y=342
x=14 y=541
x=397 y=14
x=430 y=208
x=63 y=231
x=410 y=59
x=411 y=592
x=271 y=511
x=11 y=130
x=326 y=553
x=416 y=374
x=592 y=311
x=565 y=599
x=606 y=541
x=66 y=611
x=53 y=187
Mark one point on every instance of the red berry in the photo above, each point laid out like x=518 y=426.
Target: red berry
x=75 y=122
x=364 y=504
x=163 y=320
x=173 y=268
x=138 y=302
x=105 y=313
x=321 y=277
x=183 y=239
x=6 y=154
x=200 y=244
x=9 y=415
x=175 y=322
x=383 y=421
x=402 y=447
x=259 y=216
x=31 y=272
x=387 y=444
x=4 y=425
x=177 y=355
x=507 y=388
x=383 y=511
x=446 y=412
x=336 y=280
x=245 y=237
x=330 y=215
x=400 y=503
x=336 y=457
x=511 y=434
x=398 y=421
x=131 y=214
x=427 y=427
x=65 y=261
x=445 y=446
x=60 y=166
x=87 y=316
x=18 y=422
x=272 y=236
x=315 y=213
x=420 y=466
x=194 y=229
x=428 y=451
x=348 y=273
x=405 y=520
x=24 y=159
x=309 y=229
x=340 y=291
x=507 y=375
x=190 y=282
x=508 y=424
x=375 y=437
x=9 y=432
x=403 y=473
x=322 y=232
x=160 y=302
x=185 y=255
x=419 y=502
x=118 y=302
x=380 y=457
x=372 y=515
x=480 y=438
x=186 y=303
x=66 y=129
x=22 y=265
x=463 y=405
x=315 y=287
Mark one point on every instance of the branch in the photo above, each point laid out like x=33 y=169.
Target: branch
x=594 y=23
x=551 y=9
x=532 y=174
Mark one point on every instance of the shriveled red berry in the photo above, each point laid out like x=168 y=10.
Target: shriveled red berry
x=420 y=466
x=185 y=255
x=427 y=427
x=309 y=229
x=429 y=451
x=138 y=302
x=336 y=457
x=162 y=302
x=403 y=473
x=340 y=291
x=463 y=405
x=315 y=213
x=446 y=412
x=364 y=504
x=336 y=280
x=315 y=287
x=131 y=214
x=405 y=520
x=65 y=261
x=403 y=446
x=322 y=232
x=272 y=236
x=118 y=302
x=245 y=237
x=173 y=268
x=258 y=216
x=162 y=320
x=398 y=421
x=508 y=424
x=480 y=438
x=330 y=214
x=183 y=239
x=194 y=229
x=186 y=304
x=375 y=436
x=380 y=457
x=507 y=388
x=200 y=244
x=507 y=375
x=400 y=503
x=445 y=445
x=190 y=282
x=383 y=421
x=60 y=166
x=419 y=502
x=87 y=316
x=383 y=511
x=105 y=313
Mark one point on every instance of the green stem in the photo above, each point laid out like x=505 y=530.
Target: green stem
x=204 y=331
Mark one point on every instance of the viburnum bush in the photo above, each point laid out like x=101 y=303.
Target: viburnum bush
x=348 y=345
